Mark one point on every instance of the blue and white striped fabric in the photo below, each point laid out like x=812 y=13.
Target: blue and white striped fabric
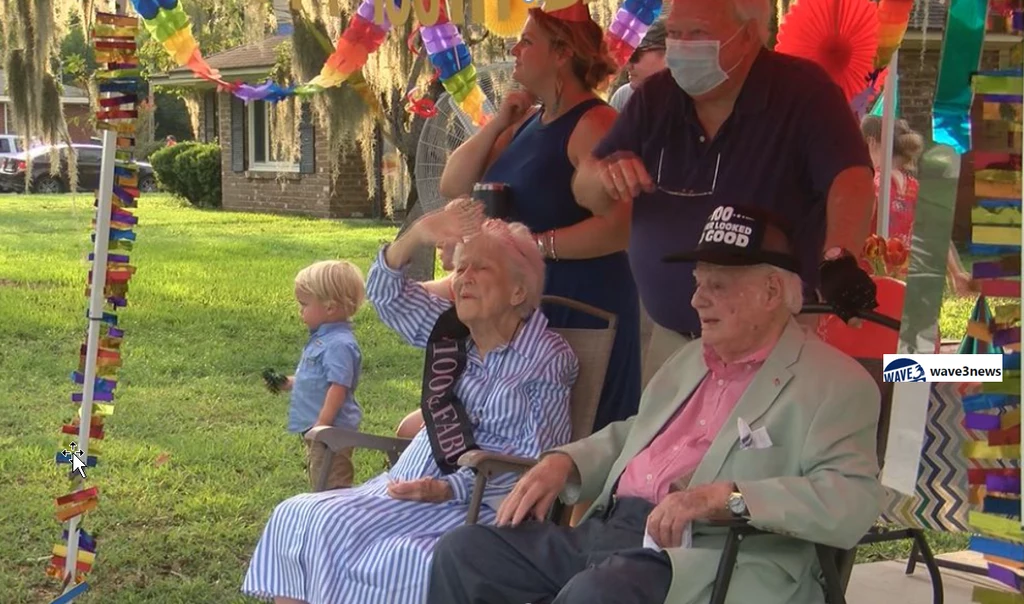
x=358 y=545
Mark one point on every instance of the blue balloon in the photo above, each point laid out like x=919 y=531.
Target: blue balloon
x=168 y=4
x=148 y=9
x=452 y=61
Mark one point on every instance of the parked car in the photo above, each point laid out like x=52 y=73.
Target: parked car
x=12 y=170
x=11 y=145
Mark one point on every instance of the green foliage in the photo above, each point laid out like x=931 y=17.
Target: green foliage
x=196 y=455
x=77 y=57
x=190 y=170
x=171 y=117
x=145 y=151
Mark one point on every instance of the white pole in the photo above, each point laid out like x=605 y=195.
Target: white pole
x=888 y=128
x=96 y=302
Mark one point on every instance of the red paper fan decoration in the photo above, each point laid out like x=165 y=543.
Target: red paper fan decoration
x=839 y=35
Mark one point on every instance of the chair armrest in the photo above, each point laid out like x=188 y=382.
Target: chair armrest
x=741 y=526
x=491 y=463
x=337 y=439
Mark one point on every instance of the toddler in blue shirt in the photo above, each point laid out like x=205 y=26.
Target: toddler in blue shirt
x=323 y=388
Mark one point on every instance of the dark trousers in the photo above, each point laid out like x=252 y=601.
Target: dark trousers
x=600 y=561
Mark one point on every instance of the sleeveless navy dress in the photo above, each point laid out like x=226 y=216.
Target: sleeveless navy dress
x=537 y=169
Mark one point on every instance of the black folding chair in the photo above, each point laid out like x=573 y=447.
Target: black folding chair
x=836 y=564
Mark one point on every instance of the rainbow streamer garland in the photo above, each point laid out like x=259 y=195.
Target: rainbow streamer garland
x=447 y=51
x=167 y=22
x=450 y=56
x=360 y=39
x=629 y=27
x=118 y=80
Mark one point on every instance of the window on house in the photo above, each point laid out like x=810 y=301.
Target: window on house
x=210 y=116
x=263 y=153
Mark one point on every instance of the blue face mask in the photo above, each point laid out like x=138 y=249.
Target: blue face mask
x=695 y=64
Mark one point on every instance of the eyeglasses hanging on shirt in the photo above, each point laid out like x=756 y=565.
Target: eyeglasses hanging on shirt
x=687 y=192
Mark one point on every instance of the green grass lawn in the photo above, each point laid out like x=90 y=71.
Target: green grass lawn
x=196 y=455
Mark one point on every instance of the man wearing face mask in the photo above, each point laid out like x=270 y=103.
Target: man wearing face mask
x=732 y=120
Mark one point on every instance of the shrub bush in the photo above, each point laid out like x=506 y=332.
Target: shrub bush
x=190 y=170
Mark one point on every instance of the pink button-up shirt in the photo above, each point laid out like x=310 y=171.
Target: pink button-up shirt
x=678 y=450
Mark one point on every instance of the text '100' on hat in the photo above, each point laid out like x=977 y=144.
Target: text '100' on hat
x=742 y=236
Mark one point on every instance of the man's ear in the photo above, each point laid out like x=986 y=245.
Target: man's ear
x=775 y=290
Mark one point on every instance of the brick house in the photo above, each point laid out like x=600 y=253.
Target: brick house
x=253 y=179
x=76 y=112
x=918 y=71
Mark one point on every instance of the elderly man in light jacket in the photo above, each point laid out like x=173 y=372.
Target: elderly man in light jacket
x=757 y=419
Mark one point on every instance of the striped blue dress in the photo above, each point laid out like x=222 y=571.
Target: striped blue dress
x=358 y=545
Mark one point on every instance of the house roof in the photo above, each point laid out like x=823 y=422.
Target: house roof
x=252 y=60
x=72 y=94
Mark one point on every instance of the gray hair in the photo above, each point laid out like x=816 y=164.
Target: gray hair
x=517 y=250
x=759 y=11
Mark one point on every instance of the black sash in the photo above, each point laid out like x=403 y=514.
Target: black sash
x=448 y=426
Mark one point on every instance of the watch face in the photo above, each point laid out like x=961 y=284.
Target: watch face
x=736 y=504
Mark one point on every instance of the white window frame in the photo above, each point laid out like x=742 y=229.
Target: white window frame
x=250 y=127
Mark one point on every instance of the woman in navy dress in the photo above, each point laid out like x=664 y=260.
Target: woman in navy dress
x=534 y=149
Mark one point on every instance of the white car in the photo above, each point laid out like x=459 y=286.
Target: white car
x=10 y=145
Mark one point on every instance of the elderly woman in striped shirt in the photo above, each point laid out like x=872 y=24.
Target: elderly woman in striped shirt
x=495 y=378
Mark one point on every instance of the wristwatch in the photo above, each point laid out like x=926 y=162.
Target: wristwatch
x=737 y=506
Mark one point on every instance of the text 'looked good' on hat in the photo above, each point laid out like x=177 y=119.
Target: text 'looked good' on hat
x=742 y=236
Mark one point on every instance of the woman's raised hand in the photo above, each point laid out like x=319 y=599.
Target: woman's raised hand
x=514 y=106
x=458 y=220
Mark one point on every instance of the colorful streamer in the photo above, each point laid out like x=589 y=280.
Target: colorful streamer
x=167 y=22
x=450 y=56
x=360 y=39
x=893 y=18
x=118 y=79
x=629 y=26
x=448 y=53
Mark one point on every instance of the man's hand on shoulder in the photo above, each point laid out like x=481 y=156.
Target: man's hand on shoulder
x=537 y=490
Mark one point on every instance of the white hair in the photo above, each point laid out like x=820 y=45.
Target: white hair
x=759 y=11
x=515 y=246
x=792 y=287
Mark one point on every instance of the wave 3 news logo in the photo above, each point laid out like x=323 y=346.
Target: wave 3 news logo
x=942 y=368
